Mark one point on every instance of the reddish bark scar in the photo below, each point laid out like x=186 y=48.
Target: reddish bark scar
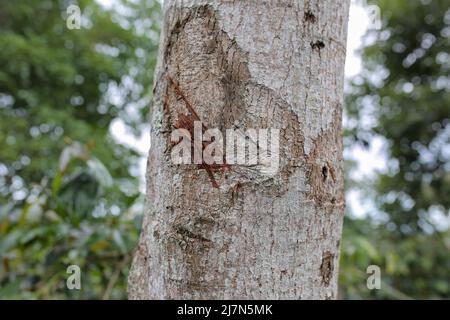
x=187 y=122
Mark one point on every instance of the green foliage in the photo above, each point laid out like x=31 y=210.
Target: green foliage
x=414 y=267
x=79 y=223
x=404 y=91
x=68 y=191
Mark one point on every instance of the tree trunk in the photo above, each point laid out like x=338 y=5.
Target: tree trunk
x=243 y=233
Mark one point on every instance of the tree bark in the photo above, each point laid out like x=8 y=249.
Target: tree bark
x=247 y=64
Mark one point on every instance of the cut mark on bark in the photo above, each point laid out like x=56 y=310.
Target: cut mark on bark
x=187 y=122
x=180 y=93
x=327 y=267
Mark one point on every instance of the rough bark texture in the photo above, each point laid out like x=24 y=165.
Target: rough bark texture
x=247 y=64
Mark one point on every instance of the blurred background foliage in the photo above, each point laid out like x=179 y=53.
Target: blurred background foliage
x=402 y=97
x=70 y=193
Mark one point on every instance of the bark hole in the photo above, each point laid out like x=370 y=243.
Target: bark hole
x=325 y=173
x=318 y=45
x=310 y=17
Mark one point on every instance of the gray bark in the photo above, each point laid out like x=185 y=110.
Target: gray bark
x=247 y=64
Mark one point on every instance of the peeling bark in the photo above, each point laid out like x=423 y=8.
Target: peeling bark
x=247 y=64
